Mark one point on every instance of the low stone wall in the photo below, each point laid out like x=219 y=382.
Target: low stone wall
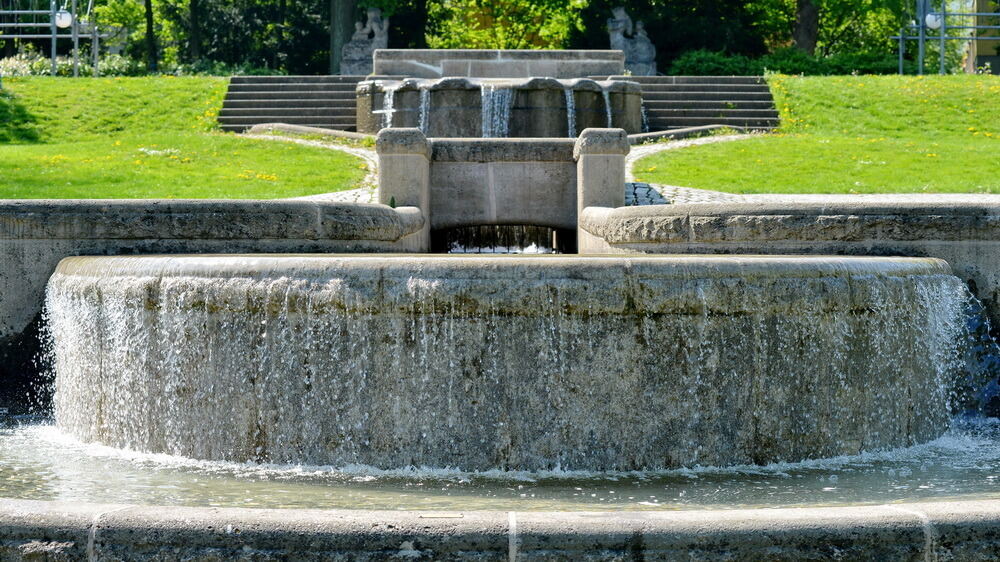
x=35 y=530
x=964 y=233
x=35 y=235
x=489 y=63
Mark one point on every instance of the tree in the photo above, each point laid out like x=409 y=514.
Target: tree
x=152 y=62
x=502 y=24
x=806 y=30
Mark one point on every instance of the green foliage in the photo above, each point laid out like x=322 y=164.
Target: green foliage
x=34 y=64
x=146 y=137
x=788 y=60
x=856 y=134
x=502 y=24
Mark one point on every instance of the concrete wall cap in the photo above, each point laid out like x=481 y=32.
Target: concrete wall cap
x=402 y=141
x=502 y=150
x=601 y=141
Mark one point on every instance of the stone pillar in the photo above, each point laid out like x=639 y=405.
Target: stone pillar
x=404 y=157
x=600 y=173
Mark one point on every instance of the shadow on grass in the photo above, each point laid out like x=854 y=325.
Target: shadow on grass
x=17 y=124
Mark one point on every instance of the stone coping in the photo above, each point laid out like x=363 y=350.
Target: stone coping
x=462 y=83
x=477 y=150
x=96 y=219
x=526 y=285
x=940 y=219
x=952 y=530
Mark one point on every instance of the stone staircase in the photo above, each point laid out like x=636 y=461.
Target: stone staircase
x=673 y=102
x=315 y=101
x=670 y=102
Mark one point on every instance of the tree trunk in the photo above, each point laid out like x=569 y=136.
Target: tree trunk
x=194 y=30
x=152 y=63
x=806 y=26
x=341 y=27
x=279 y=35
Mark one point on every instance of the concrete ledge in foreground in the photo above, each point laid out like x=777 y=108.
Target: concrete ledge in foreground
x=31 y=530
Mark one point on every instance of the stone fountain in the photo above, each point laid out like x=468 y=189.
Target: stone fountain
x=266 y=353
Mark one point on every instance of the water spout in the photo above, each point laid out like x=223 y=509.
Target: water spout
x=496 y=106
x=570 y=112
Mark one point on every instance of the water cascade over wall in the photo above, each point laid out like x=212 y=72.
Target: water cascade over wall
x=471 y=107
x=594 y=363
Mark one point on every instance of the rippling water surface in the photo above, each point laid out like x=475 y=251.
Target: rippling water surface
x=39 y=462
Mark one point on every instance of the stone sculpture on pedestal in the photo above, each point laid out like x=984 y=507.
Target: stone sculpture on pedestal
x=374 y=34
x=640 y=53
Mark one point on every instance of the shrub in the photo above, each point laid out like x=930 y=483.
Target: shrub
x=711 y=63
x=786 y=61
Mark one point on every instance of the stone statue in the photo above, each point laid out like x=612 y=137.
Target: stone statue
x=374 y=34
x=640 y=53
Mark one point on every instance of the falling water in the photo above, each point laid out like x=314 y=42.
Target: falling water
x=645 y=119
x=516 y=363
x=425 y=105
x=570 y=112
x=388 y=101
x=496 y=106
x=607 y=104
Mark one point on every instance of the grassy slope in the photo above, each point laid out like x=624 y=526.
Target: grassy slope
x=146 y=137
x=864 y=134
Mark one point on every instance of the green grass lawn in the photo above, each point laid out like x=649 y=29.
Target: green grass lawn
x=856 y=134
x=147 y=138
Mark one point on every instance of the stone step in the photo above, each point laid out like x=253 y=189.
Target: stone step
x=344 y=96
x=314 y=121
x=707 y=104
x=659 y=123
x=295 y=79
x=653 y=114
x=716 y=88
x=287 y=112
x=243 y=128
x=293 y=102
x=692 y=79
x=706 y=96
x=296 y=87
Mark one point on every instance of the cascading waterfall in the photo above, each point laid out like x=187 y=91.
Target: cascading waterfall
x=570 y=112
x=425 y=105
x=496 y=106
x=607 y=104
x=388 y=101
x=599 y=363
x=645 y=119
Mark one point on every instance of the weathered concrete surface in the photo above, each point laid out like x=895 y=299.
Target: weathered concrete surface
x=33 y=530
x=488 y=63
x=477 y=181
x=35 y=235
x=965 y=232
x=538 y=107
x=524 y=363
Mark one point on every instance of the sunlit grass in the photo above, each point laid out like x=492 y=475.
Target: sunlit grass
x=147 y=138
x=844 y=134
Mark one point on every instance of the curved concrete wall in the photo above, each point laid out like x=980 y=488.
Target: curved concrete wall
x=964 y=233
x=35 y=235
x=523 y=363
